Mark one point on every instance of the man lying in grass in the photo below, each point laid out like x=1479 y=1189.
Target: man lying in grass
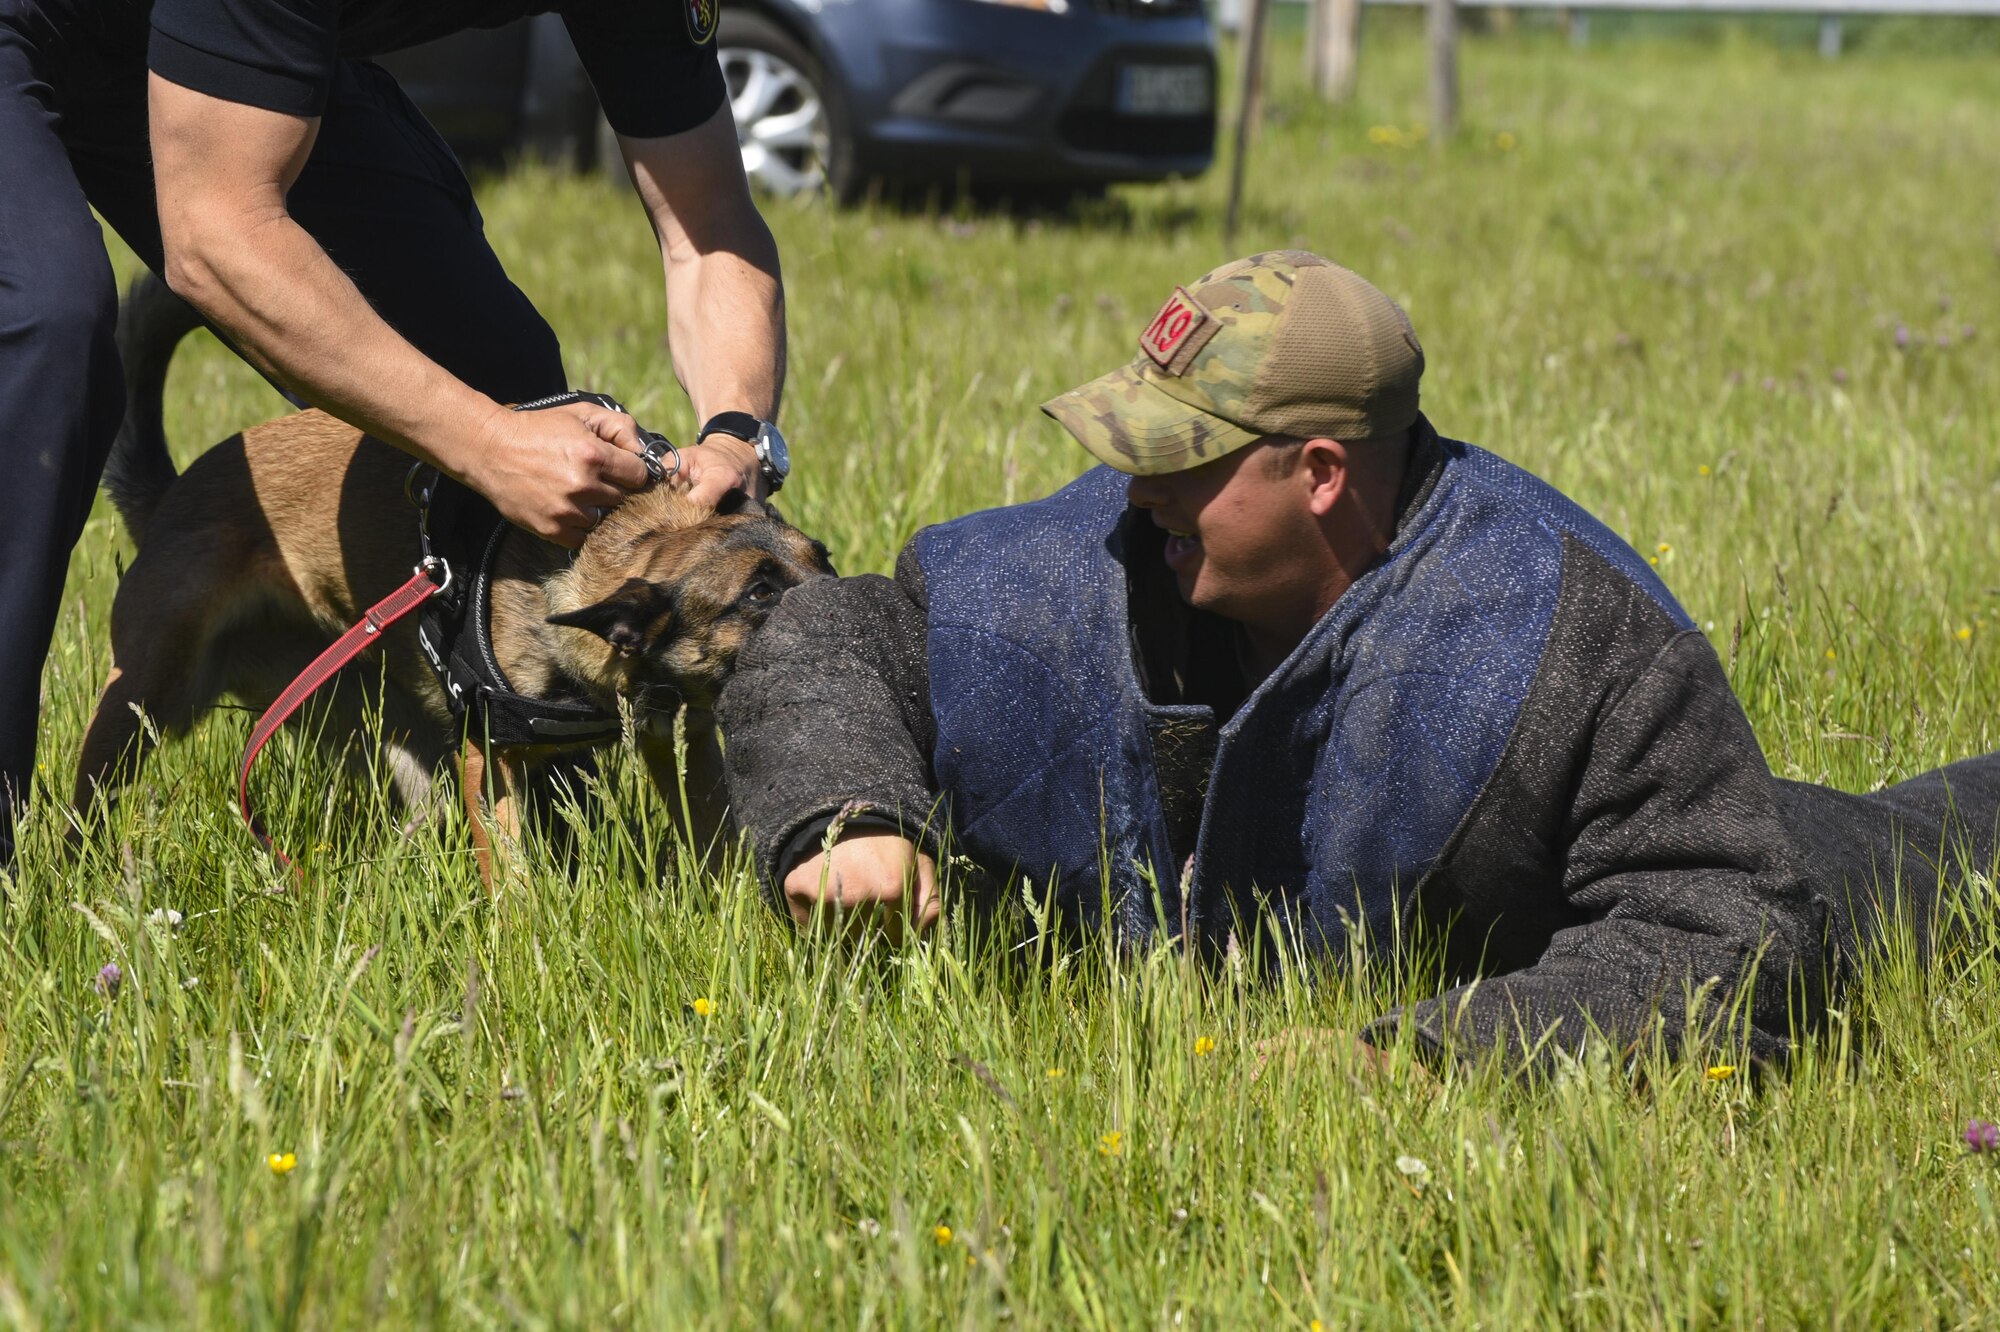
x=1319 y=667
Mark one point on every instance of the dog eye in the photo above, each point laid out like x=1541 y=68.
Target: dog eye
x=762 y=592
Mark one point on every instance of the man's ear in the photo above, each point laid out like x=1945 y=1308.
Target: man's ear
x=636 y=614
x=1325 y=464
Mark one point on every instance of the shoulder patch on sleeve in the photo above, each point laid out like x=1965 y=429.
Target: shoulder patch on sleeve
x=701 y=17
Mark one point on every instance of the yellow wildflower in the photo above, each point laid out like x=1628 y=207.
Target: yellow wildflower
x=1720 y=1072
x=1665 y=549
x=1506 y=143
x=942 y=1235
x=1204 y=1045
x=1653 y=559
x=281 y=1163
x=1965 y=633
x=1831 y=655
x=1703 y=470
x=704 y=1007
x=1055 y=1073
x=1111 y=1144
x=1315 y=1325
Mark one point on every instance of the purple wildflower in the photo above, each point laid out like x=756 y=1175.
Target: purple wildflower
x=1839 y=375
x=110 y=980
x=1902 y=336
x=1982 y=1136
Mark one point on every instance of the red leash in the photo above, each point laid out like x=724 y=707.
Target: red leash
x=432 y=577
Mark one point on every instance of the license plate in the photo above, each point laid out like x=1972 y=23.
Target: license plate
x=1162 y=90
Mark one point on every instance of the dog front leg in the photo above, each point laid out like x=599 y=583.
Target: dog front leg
x=496 y=825
x=472 y=788
x=703 y=820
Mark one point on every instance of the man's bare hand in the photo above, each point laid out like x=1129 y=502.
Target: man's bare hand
x=867 y=878
x=552 y=471
x=718 y=465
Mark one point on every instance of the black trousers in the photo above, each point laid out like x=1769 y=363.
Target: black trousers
x=381 y=192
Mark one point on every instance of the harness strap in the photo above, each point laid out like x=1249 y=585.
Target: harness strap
x=430 y=578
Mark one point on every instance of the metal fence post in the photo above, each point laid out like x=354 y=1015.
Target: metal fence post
x=1247 y=112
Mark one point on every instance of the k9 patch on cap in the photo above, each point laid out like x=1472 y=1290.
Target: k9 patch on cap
x=1177 y=332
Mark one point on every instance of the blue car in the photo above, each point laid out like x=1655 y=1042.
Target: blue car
x=839 y=94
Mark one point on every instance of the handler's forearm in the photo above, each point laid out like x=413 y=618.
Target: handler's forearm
x=725 y=298
x=726 y=323
x=295 y=315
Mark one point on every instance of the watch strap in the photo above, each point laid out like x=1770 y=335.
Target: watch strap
x=742 y=425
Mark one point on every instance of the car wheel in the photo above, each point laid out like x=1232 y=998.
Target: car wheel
x=786 y=124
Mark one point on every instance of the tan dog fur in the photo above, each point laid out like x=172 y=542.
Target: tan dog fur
x=278 y=539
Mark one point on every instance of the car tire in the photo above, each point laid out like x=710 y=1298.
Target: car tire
x=797 y=139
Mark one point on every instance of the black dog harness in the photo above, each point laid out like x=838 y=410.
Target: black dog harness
x=460 y=533
x=452 y=588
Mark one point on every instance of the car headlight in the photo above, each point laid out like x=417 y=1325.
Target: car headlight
x=1045 y=6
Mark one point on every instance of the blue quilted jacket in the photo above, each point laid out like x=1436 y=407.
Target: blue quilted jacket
x=1505 y=738
x=1340 y=779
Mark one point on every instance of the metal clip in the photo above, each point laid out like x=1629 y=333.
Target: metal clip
x=419 y=497
x=434 y=566
x=649 y=454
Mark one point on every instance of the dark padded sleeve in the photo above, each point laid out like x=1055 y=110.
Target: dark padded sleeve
x=1666 y=874
x=829 y=712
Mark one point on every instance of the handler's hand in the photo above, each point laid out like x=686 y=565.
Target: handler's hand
x=718 y=465
x=867 y=877
x=551 y=471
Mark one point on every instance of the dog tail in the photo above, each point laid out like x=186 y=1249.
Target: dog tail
x=151 y=323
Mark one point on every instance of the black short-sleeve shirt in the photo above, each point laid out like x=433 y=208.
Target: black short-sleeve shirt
x=652 y=61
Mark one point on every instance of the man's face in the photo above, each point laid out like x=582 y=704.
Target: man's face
x=1241 y=538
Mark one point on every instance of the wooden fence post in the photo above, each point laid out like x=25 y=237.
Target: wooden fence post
x=1443 y=30
x=1333 y=48
x=1247 y=111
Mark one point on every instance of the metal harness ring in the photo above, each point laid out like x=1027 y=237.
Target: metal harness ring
x=434 y=565
x=649 y=454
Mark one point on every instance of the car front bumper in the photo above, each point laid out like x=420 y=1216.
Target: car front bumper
x=954 y=88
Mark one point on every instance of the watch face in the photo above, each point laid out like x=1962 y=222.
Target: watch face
x=776 y=455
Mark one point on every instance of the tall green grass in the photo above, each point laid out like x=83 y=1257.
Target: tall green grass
x=1742 y=303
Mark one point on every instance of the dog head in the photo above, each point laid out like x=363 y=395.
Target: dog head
x=665 y=593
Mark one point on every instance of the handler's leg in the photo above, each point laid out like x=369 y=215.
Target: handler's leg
x=61 y=397
x=384 y=196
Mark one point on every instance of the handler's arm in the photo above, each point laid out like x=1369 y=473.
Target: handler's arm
x=828 y=729
x=234 y=251
x=725 y=297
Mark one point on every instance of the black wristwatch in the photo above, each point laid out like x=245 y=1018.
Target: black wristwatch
x=763 y=436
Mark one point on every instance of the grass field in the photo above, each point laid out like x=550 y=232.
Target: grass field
x=1742 y=303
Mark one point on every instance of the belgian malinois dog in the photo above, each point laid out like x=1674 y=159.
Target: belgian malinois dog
x=276 y=540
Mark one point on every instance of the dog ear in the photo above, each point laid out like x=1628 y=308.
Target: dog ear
x=626 y=619
x=735 y=502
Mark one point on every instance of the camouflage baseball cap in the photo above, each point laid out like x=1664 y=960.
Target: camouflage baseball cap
x=1283 y=343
